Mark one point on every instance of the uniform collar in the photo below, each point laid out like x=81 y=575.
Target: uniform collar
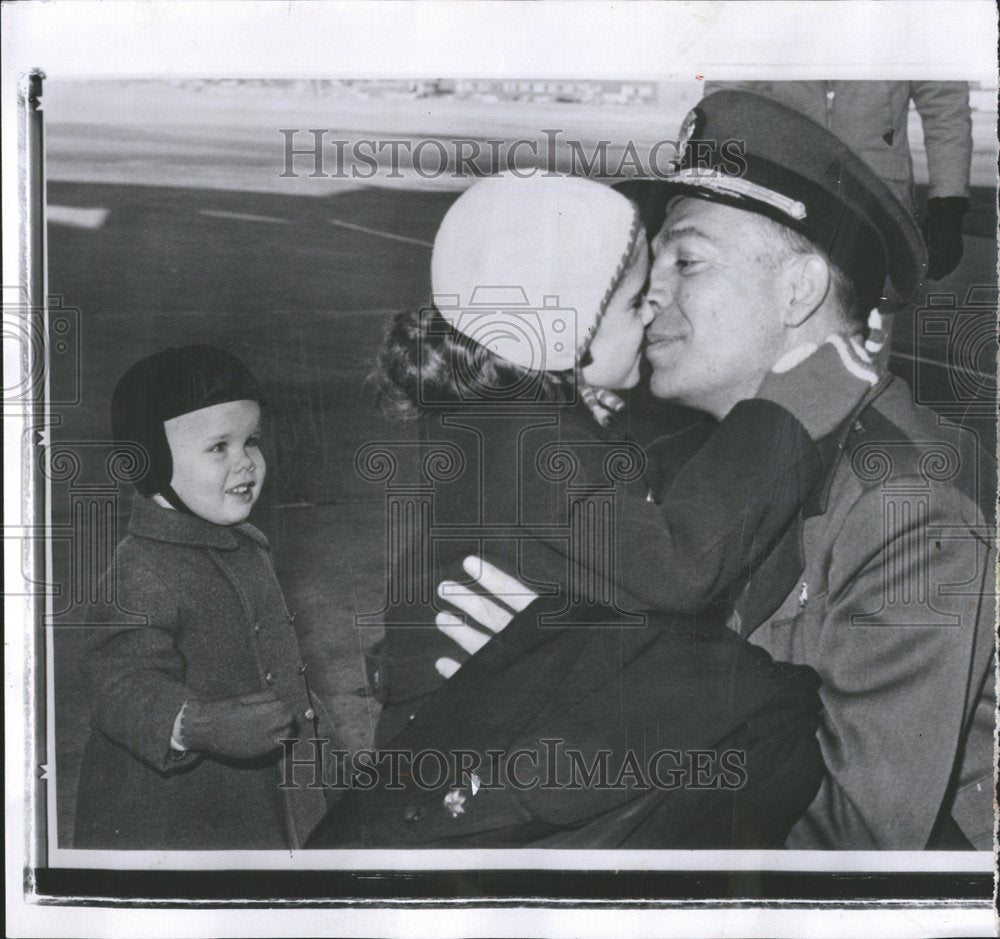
x=152 y=521
x=834 y=446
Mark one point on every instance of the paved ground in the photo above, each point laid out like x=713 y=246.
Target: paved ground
x=301 y=289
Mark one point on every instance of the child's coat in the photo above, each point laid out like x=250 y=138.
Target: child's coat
x=217 y=626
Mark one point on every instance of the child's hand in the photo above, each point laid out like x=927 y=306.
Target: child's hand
x=603 y=403
x=241 y=727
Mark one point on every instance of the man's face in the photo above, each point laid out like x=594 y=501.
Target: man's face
x=717 y=326
x=218 y=466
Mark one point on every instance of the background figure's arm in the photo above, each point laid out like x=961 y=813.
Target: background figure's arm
x=135 y=674
x=895 y=675
x=947 y=121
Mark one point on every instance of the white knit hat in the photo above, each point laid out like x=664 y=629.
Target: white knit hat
x=525 y=266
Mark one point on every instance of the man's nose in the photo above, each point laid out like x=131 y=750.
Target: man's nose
x=660 y=291
x=654 y=303
x=244 y=460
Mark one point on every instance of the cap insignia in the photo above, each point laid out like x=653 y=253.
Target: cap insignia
x=741 y=189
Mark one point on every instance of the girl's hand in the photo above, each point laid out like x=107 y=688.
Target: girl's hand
x=492 y=616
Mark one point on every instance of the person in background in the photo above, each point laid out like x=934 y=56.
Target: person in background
x=871 y=118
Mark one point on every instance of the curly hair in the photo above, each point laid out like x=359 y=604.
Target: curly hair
x=424 y=364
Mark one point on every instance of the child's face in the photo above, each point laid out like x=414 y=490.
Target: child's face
x=615 y=348
x=218 y=466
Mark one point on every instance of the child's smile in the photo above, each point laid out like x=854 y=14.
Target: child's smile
x=243 y=491
x=218 y=466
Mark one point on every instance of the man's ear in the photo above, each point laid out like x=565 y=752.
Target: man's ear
x=807 y=282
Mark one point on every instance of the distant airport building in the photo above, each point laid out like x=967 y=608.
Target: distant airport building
x=568 y=91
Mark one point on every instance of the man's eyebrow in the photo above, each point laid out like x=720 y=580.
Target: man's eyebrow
x=675 y=233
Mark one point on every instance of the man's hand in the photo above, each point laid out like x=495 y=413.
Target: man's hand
x=491 y=616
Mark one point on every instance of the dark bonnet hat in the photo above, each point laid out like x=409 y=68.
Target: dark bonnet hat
x=796 y=172
x=168 y=384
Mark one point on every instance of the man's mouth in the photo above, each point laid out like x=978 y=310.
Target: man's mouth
x=244 y=489
x=653 y=341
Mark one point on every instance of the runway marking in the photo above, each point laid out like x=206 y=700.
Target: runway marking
x=76 y=217
x=244 y=217
x=380 y=234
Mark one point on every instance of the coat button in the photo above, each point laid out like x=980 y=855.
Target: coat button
x=291 y=617
x=859 y=427
x=412 y=813
x=256 y=629
x=302 y=670
x=310 y=714
x=269 y=677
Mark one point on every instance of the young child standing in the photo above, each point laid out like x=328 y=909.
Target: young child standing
x=188 y=710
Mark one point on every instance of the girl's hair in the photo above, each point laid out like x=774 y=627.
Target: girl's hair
x=425 y=364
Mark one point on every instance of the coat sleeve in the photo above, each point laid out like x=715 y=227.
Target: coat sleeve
x=721 y=514
x=947 y=121
x=135 y=674
x=900 y=633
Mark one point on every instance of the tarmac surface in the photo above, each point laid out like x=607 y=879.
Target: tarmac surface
x=161 y=235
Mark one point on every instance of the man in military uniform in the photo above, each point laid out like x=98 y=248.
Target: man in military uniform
x=892 y=599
